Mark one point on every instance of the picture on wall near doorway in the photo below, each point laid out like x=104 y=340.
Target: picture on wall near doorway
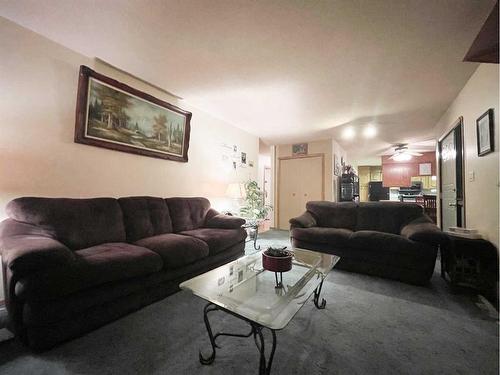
x=485 y=136
x=337 y=169
x=425 y=169
x=243 y=158
x=299 y=149
x=113 y=115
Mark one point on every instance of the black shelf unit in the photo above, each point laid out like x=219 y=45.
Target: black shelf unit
x=349 y=187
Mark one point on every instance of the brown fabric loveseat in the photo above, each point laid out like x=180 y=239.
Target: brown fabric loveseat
x=72 y=265
x=388 y=239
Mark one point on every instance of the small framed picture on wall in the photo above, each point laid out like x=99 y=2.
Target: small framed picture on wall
x=485 y=136
x=337 y=168
x=299 y=149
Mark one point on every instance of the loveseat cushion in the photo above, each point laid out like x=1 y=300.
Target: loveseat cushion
x=333 y=214
x=423 y=230
x=93 y=266
x=386 y=217
x=187 y=213
x=145 y=217
x=224 y=221
x=176 y=250
x=306 y=220
x=77 y=223
x=218 y=240
x=337 y=237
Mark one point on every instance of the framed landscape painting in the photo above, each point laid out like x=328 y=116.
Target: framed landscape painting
x=114 y=115
x=485 y=137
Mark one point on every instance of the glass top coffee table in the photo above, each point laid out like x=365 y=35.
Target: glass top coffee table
x=243 y=288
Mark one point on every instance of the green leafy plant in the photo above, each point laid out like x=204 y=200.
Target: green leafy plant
x=278 y=252
x=254 y=207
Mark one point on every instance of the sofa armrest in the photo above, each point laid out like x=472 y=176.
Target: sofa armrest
x=26 y=248
x=306 y=220
x=224 y=222
x=25 y=254
x=424 y=232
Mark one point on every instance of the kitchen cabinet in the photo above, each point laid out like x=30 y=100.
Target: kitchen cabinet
x=376 y=173
x=427 y=181
x=366 y=175
x=396 y=173
x=399 y=174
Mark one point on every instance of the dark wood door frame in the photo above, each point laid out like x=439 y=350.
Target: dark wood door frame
x=458 y=128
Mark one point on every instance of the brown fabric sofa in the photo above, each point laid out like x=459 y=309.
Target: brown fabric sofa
x=388 y=239
x=72 y=265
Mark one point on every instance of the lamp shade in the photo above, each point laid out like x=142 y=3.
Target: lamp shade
x=235 y=191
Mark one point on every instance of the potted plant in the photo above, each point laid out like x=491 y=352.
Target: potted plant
x=254 y=208
x=277 y=259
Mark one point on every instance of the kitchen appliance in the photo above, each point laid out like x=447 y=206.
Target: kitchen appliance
x=376 y=192
x=409 y=194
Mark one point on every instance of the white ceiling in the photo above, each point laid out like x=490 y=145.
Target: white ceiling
x=286 y=71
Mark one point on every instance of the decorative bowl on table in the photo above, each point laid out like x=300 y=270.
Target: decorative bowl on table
x=277 y=259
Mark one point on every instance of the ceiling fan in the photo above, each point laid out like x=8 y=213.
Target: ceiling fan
x=402 y=153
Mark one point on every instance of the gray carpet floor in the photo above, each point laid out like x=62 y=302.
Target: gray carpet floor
x=370 y=326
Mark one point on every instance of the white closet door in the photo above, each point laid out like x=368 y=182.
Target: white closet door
x=300 y=181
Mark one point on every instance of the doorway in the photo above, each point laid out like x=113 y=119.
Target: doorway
x=301 y=179
x=451 y=177
x=267 y=186
x=367 y=176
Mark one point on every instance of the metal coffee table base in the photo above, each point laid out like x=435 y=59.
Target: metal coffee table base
x=255 y=331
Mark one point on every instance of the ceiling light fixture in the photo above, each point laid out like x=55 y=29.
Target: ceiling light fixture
x=402 y=156
x=348 y=133
x=370 y=131
x=401 y=153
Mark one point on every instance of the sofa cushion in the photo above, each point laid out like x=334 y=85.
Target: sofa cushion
x=333 y=214
x=387 y=217
x=389 y=247
x=93 y=266
x=176 y=250
x=217 y=239
x=187 y=213
x=145 y=217
x=337 y=237
x=77 y=223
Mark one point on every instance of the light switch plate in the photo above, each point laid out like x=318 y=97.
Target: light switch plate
x=472 y=177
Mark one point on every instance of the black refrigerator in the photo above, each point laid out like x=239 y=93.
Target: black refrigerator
x=376 y=192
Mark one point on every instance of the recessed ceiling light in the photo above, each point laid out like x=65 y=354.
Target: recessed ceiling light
x=348 y=133
x=370 y=131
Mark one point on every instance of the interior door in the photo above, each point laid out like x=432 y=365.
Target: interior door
x=451 y=179
x=300 y=181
